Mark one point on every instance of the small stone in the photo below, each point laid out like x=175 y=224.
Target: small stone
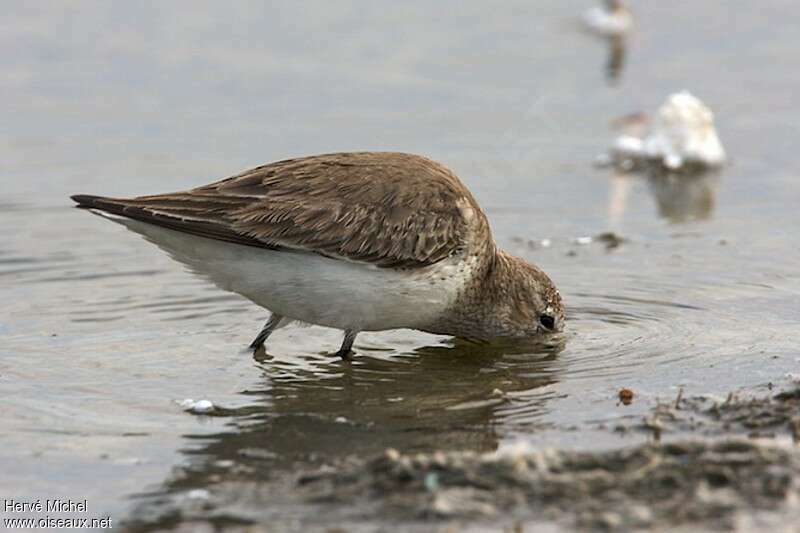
x=611 y=239
x=673 y=161
x=392 y=454
x=203 y=406
x=439 y=458
x=257 y=453
x=609 y=520
x=431 y=481
x=198 y=407
x=626 y=396
x=794 y=428
x=187 y=404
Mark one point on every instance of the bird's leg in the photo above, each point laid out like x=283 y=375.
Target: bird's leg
x=345 y=352
x=272 y=324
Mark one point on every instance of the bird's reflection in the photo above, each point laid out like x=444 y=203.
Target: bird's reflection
x=617 y=48
x=684 y=197
x=680 y=196
x=315 y=412
x=612 y=23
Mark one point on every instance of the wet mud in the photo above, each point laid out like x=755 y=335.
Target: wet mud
x=710 y=463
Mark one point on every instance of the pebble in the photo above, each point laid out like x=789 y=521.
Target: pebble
x=431 y=481
x=392 y=454
x=199 y=406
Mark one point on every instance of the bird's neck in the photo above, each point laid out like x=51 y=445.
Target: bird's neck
x=482 y=309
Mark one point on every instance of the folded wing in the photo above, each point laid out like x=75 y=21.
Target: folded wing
x=387 y=209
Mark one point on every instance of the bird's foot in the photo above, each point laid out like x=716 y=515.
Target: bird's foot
x=346 y=351
x=260 y=355
x=256 y=345
x=346 y=355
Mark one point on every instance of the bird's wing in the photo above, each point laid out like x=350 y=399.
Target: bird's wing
x=387 y=209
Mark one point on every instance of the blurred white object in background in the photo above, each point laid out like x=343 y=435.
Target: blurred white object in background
x=682 y=133
x=614 y=19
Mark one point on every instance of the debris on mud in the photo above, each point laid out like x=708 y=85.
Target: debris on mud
x=753 y=417
x=199 y=407
x=711 y=464
x=736 y=476
x=534 y=244
x=626 y=396
x=690 y=482
x=610 y=239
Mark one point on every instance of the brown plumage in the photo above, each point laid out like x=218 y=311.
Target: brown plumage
x=387 y=209
x=394 y=212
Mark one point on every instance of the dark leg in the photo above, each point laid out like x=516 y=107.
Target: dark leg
x=271 y=325
x=345 y=352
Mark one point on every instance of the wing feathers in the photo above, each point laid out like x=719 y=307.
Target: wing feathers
x=388 y=209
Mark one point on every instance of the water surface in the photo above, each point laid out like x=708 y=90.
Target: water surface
x=100 y=333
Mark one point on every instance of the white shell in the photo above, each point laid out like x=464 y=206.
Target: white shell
x=682 y=133
x=199 y=406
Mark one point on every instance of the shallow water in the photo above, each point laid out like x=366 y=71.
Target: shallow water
x=100 y=332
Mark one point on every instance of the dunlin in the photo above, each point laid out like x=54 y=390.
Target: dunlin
x=362 y=241
x=612 y=20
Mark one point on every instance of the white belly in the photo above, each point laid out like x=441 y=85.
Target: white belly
x=312 y=288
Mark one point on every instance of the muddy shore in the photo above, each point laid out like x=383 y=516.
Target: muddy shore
x=711 y=463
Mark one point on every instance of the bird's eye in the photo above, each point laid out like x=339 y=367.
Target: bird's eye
x=547 y=321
